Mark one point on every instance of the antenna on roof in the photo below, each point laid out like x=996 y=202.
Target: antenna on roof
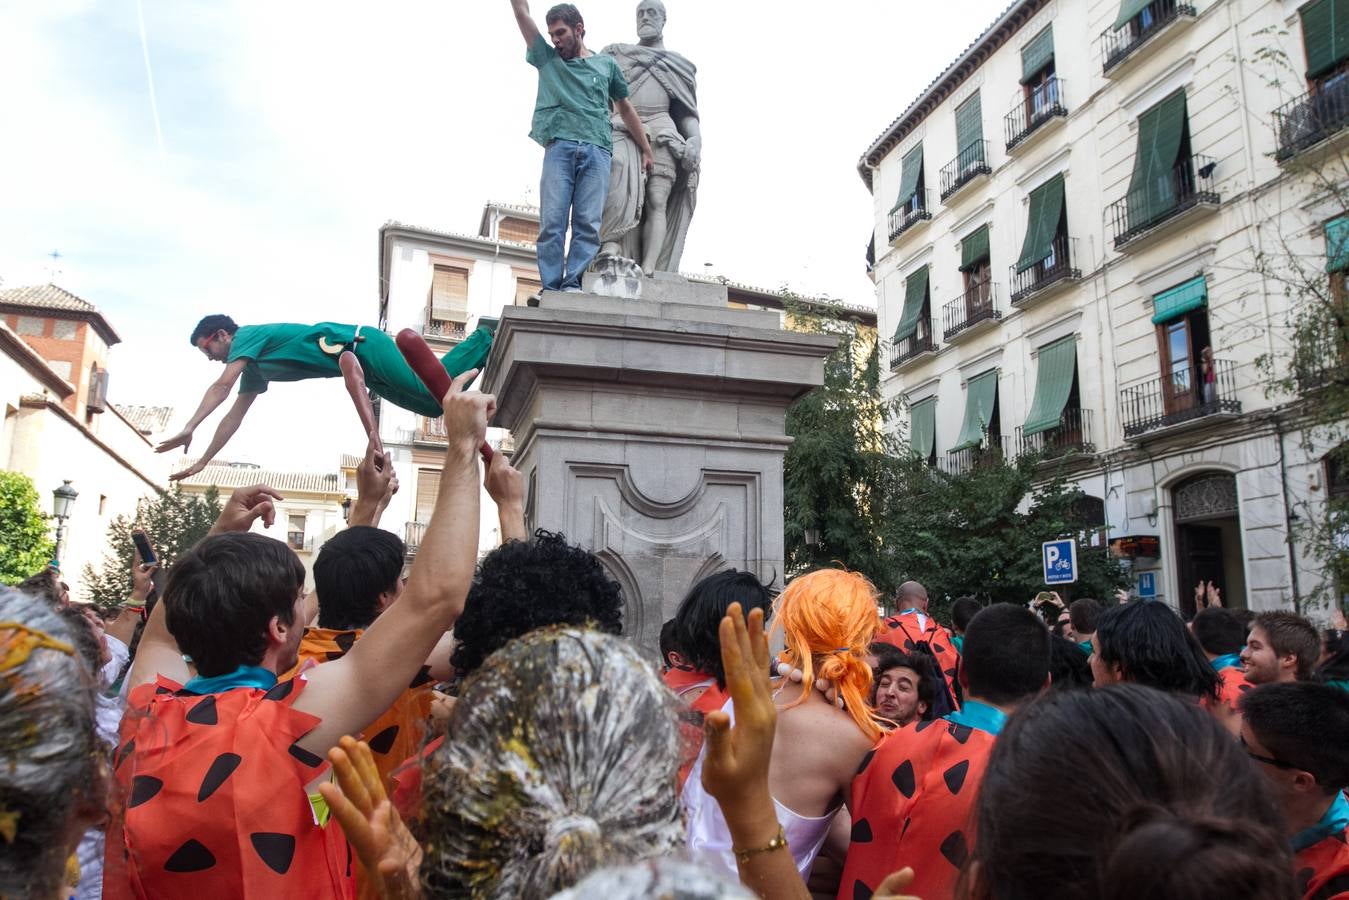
x=54 y=270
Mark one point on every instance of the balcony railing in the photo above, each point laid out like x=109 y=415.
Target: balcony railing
x=968 y=165
x=1311 y=118
x=979 y=304
x=454 y=331
x=1188 y=185
x=987 y=455
x=1119 y=44
x=918 y=210
x=1040 y=106
x=430 y=430
x=1182 y=395
x=911 y=346
x=1073 y=435
x=1056 y=267
x=413 y=532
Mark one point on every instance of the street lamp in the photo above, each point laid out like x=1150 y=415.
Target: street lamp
x=62 y=499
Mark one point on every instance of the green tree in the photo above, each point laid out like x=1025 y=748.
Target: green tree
x=25 y=548
x=175 y=521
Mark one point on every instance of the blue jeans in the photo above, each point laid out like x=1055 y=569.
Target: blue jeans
x=574 y=184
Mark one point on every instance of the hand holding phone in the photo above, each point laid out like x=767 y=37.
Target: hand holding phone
x=147 y=554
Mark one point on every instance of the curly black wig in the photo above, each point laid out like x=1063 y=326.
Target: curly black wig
x=524 y=585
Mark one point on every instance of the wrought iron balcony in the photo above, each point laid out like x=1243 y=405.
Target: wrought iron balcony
x=967 y=166
x=1042 y=105
x=1073 y=435
x=978 y=304
x=1182 y=395
x=1055 y=268
x=430 y=430
x=919 y=209
x=987 y=455
x=413 y=532
x=914 y=345
x=1308 y=120
x=1117 y=45
x=453 y=331
x=1185 y=187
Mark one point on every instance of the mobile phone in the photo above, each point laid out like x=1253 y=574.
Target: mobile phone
x=142 y=543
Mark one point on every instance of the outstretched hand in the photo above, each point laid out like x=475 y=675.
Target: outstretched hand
x=467 y=412
x=181 y=439
x=245 y=506
x=386 y=849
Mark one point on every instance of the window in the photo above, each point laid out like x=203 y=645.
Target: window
x=976 y=270
x=428 y=486
x=970 y=136
x=31 y=326
x=923 y=430
x=911 y=198
x=982 y=418
x=1163 y=172
x=295 y=532
x=1337 y=475
x=449 y=294
x=915 y=322
x=520 y=230
x=1325 y=38
x=1181 y=317
x=102 y=504
x=1046 y=230
x=64 y=329
x=1037 y=74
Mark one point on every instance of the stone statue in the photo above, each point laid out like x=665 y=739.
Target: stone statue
x=647 y=218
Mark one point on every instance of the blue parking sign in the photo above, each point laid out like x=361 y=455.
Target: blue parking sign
x=1147 y=585
x=1060 y=561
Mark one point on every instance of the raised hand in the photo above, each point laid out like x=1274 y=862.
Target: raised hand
x=1200 y=596
x=1214 y=595
x=141 y=582
x=181 y=439
x=386 y=849
x=467 y=412
x=188 y=472
x=735 y=770
x=245 y=506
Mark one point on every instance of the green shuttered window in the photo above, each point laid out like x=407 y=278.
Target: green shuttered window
x=1175 y=302
x=923 y=427
x=1152 y=188
x=1337 y=244
x=915 y=292
x=1127 y=10
x=911 y=170
x=1037 y=54
x=1042 y=225
x=969 y=125
x=981 y=394
x=1325 y=35
x=1053 y=384
x=974 y=249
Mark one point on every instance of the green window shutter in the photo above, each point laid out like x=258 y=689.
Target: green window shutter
x=915 y=292
x=974 y=249
x=1053 y=384
x=923 y=427
x=1042 y=225
x=910 y=171
x=981 y=393
x=1175 y=302
x=1152 y=188
x=1337 y=244
x=969 y=125
x=1127 y=10
x=1325 y=35
x=1037 y=54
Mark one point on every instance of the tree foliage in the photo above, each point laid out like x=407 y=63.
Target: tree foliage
x=25 y=547
x=174 y=522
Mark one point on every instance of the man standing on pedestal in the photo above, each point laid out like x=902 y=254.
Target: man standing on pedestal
x=571 y=121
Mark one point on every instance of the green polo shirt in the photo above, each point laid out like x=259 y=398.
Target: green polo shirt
x=288 y=352
x=574 y=94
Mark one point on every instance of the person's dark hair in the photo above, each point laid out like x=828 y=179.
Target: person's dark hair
x=1291 y=634
x=698 y=620
x=920 y=660
x=1006 y=656
x=1175 y=808
x=354 y=567
x=1069 y=667
x=1305 y=725
x=44 y=586
x=222 y=594
x=667 y=641
x=82 y=635
x=565 y=13
x=210 y=325
x=524 y=585
x=963 y=609
x=1336 y=668
x=1084 y=614
x=1154 y=648
x=1218 y=631
x=1246 y=617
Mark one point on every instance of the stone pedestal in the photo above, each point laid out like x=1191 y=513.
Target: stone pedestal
x=652 y=431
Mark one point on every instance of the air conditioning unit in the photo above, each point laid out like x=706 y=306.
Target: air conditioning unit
x=98 y=391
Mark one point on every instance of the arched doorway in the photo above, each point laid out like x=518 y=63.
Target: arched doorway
x=1208 y=538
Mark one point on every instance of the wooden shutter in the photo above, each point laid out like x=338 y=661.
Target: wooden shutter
x=969 y=127
x=428 y=486
x=449 y=294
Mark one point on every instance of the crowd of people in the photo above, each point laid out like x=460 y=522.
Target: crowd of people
x=481 y=728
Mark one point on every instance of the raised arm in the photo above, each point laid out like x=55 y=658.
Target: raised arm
x=506 y=486
x=216 y=394
x=223 y=432
x=528 y=29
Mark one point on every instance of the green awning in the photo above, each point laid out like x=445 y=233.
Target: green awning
x=1053 y=384
x=981 y=395
x=1152 y=188
x=974 y=249
x=923 y=427
x=969 y=126
x=1337 y=244
x=1325 y=35
x=911 y=169
x=1127 y=10
x=1037 y=54
x=1175 y=302
x=915 y=292
x=1042 y=225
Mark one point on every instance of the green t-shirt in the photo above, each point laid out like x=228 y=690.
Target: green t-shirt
x=288 y=352
x=574 y=95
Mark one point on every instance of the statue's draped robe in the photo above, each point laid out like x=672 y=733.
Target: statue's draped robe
x=624 y=206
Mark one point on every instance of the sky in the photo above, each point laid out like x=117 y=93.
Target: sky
x=281 y=134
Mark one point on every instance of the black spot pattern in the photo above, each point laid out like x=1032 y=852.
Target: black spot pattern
x=305 y=756
x=281 y=690
x=345 y=640
x=961 y=733
x=861 y=832
x=955 y=776
x=938 y=648
x=204 y=712
x=383 y=742
x=903 y=778
x=220 y=770
x=866 y=761
x=124 y=754
x=333 y=654
x=955 y=849
x=422 y=677
x=860 y=891
x=923 y=725
x=160 y=689
x=191 y=857
x=908 y=644
x=276 y=850
x=143 y=787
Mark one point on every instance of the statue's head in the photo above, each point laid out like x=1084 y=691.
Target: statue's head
x=650 y=19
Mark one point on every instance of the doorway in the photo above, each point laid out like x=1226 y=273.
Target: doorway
x=1208 y=539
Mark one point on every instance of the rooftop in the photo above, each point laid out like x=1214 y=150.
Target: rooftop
x=146 y=419
x=56 y=300
x=228 y=476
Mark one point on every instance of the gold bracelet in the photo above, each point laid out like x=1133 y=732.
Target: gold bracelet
x=777 y=843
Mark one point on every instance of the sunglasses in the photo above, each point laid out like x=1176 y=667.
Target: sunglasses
x=1277 y=763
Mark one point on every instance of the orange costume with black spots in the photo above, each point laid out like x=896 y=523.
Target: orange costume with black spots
x=904 y=630
x=213 y=799
x=1232 y=684
x=1322 y=856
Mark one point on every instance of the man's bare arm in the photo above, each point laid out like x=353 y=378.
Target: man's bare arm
x=215 y=395
x=223 y=432
x=633 y=123
x=528 y=29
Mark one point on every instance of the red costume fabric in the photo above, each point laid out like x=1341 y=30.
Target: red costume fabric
x=1232 y=684
x=912 y=804
x=1323 y=869
x=213 y=800
x=712 y=698
x=903 y=631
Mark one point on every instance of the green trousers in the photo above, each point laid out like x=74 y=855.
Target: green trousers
x=389 y=376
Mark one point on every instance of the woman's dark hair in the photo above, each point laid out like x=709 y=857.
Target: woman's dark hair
x=1154 y=648
x=524 y=585
x=1069 y=667
x=1175 y=809
x=1336 y=668
x=210 y=325
x=698 y=620
x=354 y=567
x=1218 y=631
x=962 y=610
x=222 y=594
